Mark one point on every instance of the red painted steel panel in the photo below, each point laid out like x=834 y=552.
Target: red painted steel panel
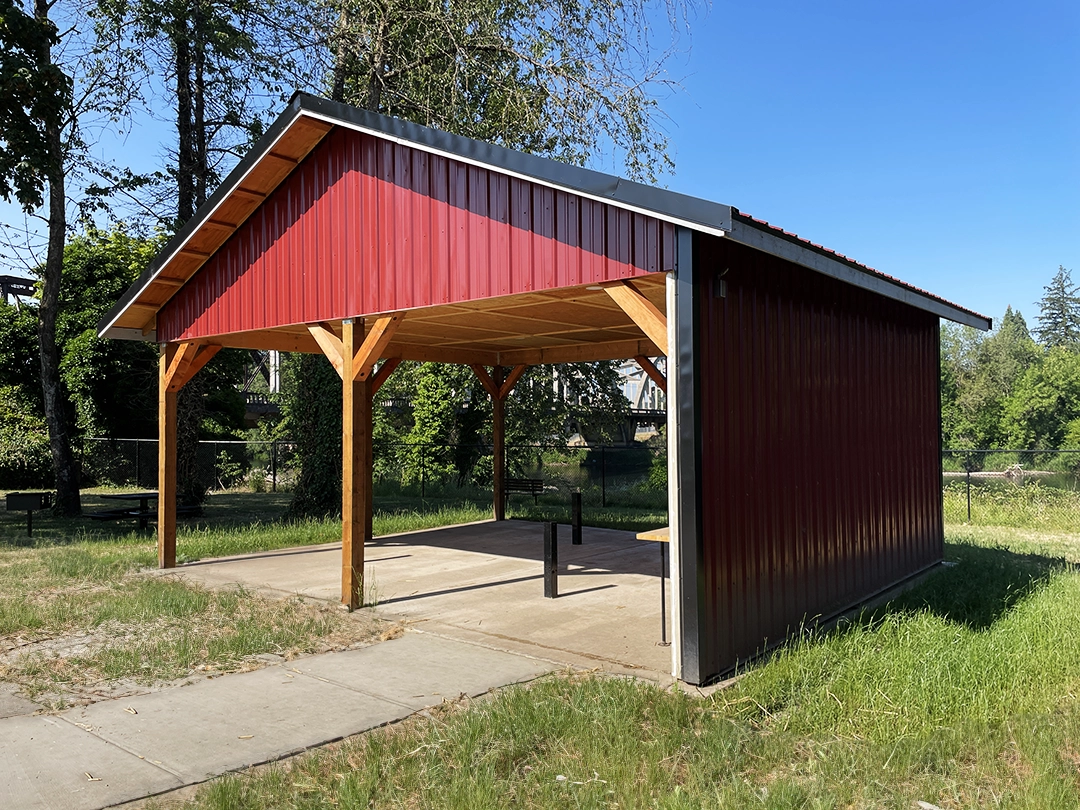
x=819 y=419
x=365 y=225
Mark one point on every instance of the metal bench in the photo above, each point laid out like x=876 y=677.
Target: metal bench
x=523 y=486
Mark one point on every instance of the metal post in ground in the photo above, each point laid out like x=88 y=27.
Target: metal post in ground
x=138 y=466
x=551 y=560
x=575 y=518
x=422 y=483
x=273 y=466
x=603 y=478
x=969 y=493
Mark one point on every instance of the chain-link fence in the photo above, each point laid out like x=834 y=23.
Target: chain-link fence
x=1019 y=488
x=606 y=476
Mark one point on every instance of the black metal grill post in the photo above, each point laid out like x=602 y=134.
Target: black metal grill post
x=575 y=519
x=551 y=560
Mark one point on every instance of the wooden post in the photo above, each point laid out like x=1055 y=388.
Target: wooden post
x=166 y=507
x=498 y=447
x=355 y=468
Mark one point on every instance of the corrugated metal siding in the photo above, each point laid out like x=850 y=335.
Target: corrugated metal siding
x=820 y=479
x=365 y=225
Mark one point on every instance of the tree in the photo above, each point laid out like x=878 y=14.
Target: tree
x=1046 y=400
x=37 y=96
x=564 y=80
x=1059 y=312
x=46 y=109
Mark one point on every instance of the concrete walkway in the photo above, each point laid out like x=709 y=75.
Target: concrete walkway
x=120 y=750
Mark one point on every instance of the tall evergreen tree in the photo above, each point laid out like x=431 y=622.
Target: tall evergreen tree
x=1059 y=312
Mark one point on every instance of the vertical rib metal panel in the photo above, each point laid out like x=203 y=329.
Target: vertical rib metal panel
x=365 y=225
x=819 y=413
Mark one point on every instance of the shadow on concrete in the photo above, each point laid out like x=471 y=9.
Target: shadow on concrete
x=607 y=550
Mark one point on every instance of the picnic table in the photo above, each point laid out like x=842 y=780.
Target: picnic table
x=143 y=513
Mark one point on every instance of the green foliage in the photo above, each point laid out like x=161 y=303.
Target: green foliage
x=550 y=79
x=1045 y=401
x=978 y=374
x=24 y=444
x=1059 y=312
x=35 y=93
x=311 y=405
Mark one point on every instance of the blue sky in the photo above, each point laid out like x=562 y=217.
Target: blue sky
x=938 y=142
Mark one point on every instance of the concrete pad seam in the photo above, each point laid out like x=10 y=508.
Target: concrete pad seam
x=88 y=729
x=556 y=663
x=351 y=688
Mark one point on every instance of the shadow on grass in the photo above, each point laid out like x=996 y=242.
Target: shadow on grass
x=983 y=585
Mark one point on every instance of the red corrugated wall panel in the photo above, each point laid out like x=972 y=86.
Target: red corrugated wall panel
x=365 y=225
x=819 y=418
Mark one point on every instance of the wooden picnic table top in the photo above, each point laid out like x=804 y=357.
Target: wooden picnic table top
x=130 y=496
x=662 y=535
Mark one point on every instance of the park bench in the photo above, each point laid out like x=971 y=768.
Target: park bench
x=524 y=486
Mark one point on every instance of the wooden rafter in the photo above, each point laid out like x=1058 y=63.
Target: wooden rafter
x=579 y=353
x=649 y=368
x=642 y=311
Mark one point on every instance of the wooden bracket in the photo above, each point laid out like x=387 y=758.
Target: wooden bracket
x=649 y=368
x=498 y=390
x=186 y=362
x=375 y=341
x=485 y=379
x=642 y=312
x=331 y=345
x=383 y=374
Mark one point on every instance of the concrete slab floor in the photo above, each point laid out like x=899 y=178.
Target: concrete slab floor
x=483 y=582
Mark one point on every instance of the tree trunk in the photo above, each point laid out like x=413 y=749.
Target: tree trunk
x=185 y=153
x=65 y=471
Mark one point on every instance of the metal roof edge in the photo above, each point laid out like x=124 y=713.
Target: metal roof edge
x=682 y=208
x=761 y=236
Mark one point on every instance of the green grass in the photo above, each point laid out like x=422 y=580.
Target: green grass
x=1031 y=505
x=962 y=692
x=73 y=601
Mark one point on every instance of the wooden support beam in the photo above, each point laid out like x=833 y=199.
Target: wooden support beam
x=511 y=380
x=356 y=511
x=166 y=506
x=439 y=354
x=383 y=374
x=195 y=357
x=582 y=352
x=485 y=380
x=331 y=345
x=498 y=447
x=649 y=368
x=642 y=311
x=375 y=342
x=181 y=359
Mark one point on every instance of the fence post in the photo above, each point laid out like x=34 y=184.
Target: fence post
x=969 y=491
x=138 y=466
x=273 y=466
x=603 y=478
x=575 y=518
x=423 y=487
x=551 y=560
